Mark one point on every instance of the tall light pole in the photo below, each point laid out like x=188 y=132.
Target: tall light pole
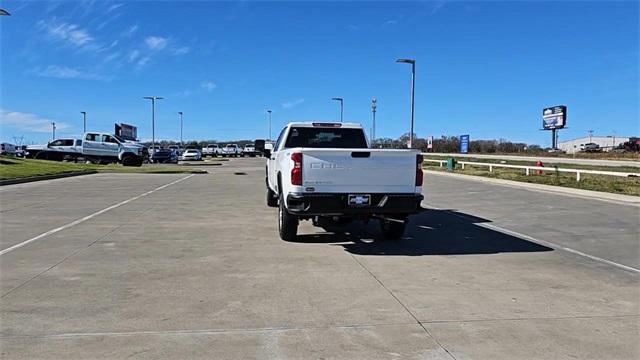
x=180 y=113
x=53 y=128
x=84 y=121
x=153 y=119
x=413 y=89
x=269 y=111
x=341 y=105
x=374 y=106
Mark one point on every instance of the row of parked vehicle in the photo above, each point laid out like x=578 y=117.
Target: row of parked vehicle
x=173 y=153
x=102 y=148
x=231 y=150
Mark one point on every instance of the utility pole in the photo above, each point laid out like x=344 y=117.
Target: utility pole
x=374 y=106
x=181 y=144
x=153 y=120
x=413 y=89
x=269 y=111
x=84 y=121
x=341 y=105
x=590 y=135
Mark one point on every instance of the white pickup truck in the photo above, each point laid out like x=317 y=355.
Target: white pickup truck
x=327 y=173
x=93 y=147
x=231 y=150
x=58 y=149
x=212 y=150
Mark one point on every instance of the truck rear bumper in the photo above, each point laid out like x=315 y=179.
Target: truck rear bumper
x=337 y=204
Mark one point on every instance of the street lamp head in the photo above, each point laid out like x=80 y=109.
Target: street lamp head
x=408 y=61
x=153 y=97
x=4 y=12
x=269 y=111
x=179 y=112
x=337 y=98
x=83 y=112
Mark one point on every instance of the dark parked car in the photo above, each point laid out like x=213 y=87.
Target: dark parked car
x=164 y=156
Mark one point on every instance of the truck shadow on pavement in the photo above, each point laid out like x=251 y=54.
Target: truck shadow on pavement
x=431 y=232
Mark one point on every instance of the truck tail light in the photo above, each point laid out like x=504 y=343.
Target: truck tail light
x=296 y=172
x=419 y=173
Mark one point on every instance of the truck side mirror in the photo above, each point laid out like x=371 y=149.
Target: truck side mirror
x=266 y=152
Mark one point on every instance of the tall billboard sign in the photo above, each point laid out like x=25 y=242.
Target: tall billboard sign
x=126 y=131
x=464 y=144
x=554 y=117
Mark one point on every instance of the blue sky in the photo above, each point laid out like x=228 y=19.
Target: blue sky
x=483 y=68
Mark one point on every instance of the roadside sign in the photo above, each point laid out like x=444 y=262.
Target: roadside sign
x=126 y=131
x=464 y=144
x=430 y=142
x=554 y=117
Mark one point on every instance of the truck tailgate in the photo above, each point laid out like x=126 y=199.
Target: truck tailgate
x=359 y=170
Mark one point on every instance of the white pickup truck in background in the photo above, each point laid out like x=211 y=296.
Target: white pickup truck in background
x=212 y=150
x=96 y=148
x=231 y=150
x=327 y=173
x=58 y=149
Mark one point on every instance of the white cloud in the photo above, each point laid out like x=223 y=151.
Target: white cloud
x=134 y=55
x=182 y=94
x=143 y=61
x=181 y=50
x=130 y=31
x=69 y=33
x=208 y=85
x=291 y=104
x=28 y=121
x=113 y=7
x=111 y=57
x=156 y=42
x=436 y=6
x=64 y=72
x=392 y=22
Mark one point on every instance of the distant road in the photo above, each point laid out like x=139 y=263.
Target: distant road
x=550 y=160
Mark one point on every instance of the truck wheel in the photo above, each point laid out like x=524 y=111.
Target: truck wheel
x=287 y=223
x=392 y=230
x=272 y=198
x=42 y=155
x=132 y=161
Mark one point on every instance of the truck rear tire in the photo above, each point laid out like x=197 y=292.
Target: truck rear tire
x=272 y=198
x=392 y=230
x=287 y=223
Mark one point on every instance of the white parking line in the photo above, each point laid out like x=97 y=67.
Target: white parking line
x=81 y=220
x=543 y=242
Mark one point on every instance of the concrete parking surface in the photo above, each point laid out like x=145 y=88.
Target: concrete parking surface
x=191 y=266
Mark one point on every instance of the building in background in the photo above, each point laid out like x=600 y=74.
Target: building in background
x=605 y=143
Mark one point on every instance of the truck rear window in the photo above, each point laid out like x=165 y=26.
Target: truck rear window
x=316 y=137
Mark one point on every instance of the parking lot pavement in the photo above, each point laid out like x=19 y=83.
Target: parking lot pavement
x=604 y=229
x=196 y=270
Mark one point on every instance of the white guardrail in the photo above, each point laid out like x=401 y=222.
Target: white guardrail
x=528 y=169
